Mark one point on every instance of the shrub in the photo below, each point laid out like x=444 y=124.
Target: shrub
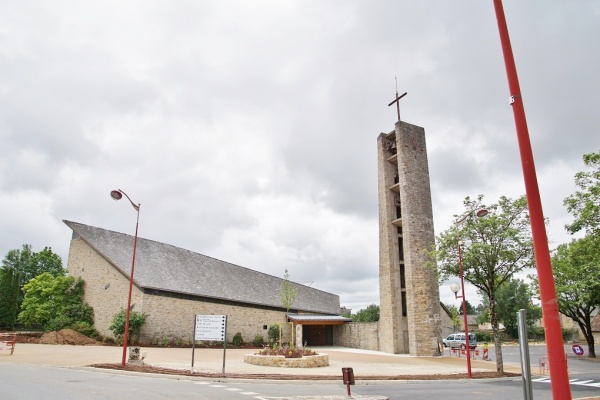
x=136 y=320
x=238 y=340
x=273 y=333
x=483 y=336
x=258 y=341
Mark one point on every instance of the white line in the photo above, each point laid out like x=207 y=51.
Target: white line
x=202 y=383
x=233 y=389
x=218 y=386
x=249 y=393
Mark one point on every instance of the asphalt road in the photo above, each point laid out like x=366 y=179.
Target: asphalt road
x=33 y=382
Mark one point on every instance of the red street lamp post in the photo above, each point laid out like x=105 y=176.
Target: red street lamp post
x=118 y=195
x=559 y=375
x=454 y=288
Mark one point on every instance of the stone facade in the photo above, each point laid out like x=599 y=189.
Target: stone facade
x=357 y=335
x=170 y=316
x=409 y=293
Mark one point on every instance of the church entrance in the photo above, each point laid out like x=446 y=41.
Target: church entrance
x=317 y=335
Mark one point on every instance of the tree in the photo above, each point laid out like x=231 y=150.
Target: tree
x=9 y=298
x=511 y=297
x=470 y=309
x=55 y=302
x=493 y=249
x=23 y=265
x=369 y=314
x=136 y=321
x=576 y=268
x=585 y=203
x=287 y=293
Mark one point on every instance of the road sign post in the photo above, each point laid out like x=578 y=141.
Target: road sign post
x=211 y=328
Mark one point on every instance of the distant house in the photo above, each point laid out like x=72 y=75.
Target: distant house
x=172 y=284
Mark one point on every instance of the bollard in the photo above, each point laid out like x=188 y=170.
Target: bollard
x=485 y=351
x=348 y=376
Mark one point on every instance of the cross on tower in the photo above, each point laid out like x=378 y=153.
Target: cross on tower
x=397 y=101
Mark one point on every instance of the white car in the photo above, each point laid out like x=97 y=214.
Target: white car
x=459 y=340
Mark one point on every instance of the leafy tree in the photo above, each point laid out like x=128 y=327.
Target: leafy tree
x=585 y=203
x=493 y=249
x=576 y=268
x=287 y=293
x=29 y=264
x=23 y=265
x=470 y=309
x=9 y=298
x=369 y=314
x=511 y=297
x=136 y=321
x=55 y=302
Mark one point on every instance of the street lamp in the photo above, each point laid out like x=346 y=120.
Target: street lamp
x=455 y=287
x=118 y=195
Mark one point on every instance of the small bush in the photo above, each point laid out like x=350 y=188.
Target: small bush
x=483 y=336
x=273 y=333
x=238 y=340
x=258 y=341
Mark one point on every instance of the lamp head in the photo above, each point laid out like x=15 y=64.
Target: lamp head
x=455 y=287
x=116 y=195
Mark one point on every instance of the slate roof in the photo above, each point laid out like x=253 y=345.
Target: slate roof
x=168 y=268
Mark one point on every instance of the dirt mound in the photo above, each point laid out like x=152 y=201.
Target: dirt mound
x=67 y=336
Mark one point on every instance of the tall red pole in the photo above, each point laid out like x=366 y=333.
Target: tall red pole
x=554 y=342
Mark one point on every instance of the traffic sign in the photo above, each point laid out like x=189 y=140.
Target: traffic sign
x=577 y=349
x=211 y=327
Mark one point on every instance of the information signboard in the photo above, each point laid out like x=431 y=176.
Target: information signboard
x=211 y=327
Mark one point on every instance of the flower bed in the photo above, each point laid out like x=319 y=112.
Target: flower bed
x=314 y=361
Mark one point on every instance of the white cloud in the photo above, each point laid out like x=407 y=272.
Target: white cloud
x=248 y=130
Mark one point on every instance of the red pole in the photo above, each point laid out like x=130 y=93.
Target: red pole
x=464 y=308
x=127 y=313
x=559 y=376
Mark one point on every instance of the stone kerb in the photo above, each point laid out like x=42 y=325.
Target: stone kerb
x=319 y=360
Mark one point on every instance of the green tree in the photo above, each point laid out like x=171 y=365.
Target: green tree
x=493 y=249
x=576 y=268
x=9 y=298
x=287 y=293
x=585 y=203
x=136 y=321
x=25 y=265
x=55 y=302
x=511 y=297
x=369 y=314
x=470 y=309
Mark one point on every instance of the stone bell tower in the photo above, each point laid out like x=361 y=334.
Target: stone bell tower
x=409 y=294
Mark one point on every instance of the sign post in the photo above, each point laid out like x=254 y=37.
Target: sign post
x=210 y=328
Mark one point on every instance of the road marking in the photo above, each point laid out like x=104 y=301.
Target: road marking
x=249 y=393
x=202 y=383
x=217 y=386
x=233 y=389
x=589 y=383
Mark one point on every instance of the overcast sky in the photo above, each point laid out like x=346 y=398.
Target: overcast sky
x=247 y=129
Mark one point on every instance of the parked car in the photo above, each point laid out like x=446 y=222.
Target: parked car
x=459 y=340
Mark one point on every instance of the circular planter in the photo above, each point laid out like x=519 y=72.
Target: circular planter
x=320 y=360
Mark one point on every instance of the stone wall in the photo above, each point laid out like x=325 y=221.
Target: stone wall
x=357 y=335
